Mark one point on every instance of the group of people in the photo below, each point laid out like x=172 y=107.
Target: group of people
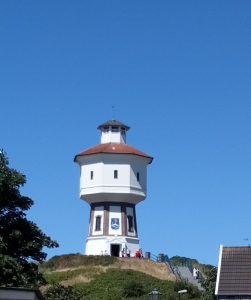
x=125 y=252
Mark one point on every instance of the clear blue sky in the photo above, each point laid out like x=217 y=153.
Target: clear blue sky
x=178 y=73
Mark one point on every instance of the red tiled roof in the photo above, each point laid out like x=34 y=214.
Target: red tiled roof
x=113 y=148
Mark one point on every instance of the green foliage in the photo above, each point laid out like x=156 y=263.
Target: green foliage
x=209 y=282
x=133 y=289
x=184 y=261
x=76 y=260
x=110 y=283
x=193 y=292
x=59 y=292
x=116 y=284
x=21 y=240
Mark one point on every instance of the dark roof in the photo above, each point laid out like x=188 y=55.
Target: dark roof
x=234 y=274
x=14 y=292
x=114 y=123
x=113 y=148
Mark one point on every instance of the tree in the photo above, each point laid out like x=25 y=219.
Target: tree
x=21 y=240
x=208 y=283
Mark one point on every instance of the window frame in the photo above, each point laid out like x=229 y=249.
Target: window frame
x=130 y=224
x=98 y=219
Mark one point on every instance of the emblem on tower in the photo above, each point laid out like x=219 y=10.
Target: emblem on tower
x=113 y=180
x=115 y=223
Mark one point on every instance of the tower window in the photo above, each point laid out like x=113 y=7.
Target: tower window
x=115 y=129
x=138 y=176
x=98 y=223
x=130 y=223
x=115 y=175
x=91 y=175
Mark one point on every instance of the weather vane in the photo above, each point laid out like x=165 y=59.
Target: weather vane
x=113 y=112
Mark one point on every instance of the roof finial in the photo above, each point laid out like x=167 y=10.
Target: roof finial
x=113 y=112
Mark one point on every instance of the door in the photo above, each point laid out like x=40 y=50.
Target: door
x=115 y=249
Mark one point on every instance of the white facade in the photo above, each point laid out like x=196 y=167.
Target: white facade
x=97 y=177
x=102 y=245
x=112 y=137
x=113 y=180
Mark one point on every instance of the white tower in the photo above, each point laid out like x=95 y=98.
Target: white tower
x=112 y=181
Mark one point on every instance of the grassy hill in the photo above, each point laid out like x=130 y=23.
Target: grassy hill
x=106 y=277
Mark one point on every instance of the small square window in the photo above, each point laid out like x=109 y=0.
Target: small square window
x=115 y=129
x=91 y=175
x=115 y=174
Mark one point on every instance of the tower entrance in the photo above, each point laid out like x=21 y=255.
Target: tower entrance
x=115 y=249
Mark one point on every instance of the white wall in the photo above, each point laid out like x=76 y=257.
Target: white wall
x=98 y=245
x=112 y=137
x=91 y=164
x=139 y=165
x=103 y=166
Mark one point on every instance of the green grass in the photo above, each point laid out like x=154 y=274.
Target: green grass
x=57 y=277
x=74 y=261
x=112 y=284
x=120 y=284
x=115 y=282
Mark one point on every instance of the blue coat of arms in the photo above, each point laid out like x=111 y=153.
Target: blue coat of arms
x=115 y=223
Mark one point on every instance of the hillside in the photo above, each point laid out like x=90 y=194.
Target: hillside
x=72 y=263
x=102 y=277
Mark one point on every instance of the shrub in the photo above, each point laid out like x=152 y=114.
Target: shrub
x=133 y=288
x=59 y=292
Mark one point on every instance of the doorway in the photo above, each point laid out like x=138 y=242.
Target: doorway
x=115 y=249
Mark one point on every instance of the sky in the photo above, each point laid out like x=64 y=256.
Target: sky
x=177 y=72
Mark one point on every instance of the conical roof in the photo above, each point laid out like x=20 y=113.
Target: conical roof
x=113 y=148
x=114 y=123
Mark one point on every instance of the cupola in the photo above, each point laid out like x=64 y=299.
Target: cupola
x=113 y=132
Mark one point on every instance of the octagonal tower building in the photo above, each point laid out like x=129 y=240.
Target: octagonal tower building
x=113 y=179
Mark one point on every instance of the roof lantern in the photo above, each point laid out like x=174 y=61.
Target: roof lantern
x=113 y=131
x=114 y=123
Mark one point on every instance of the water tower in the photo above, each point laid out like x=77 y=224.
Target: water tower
x=113 y=179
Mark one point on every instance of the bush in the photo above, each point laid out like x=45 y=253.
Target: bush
x=133 y=288
x=59 y=292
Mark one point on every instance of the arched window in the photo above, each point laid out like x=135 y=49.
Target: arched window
x=98 y=223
